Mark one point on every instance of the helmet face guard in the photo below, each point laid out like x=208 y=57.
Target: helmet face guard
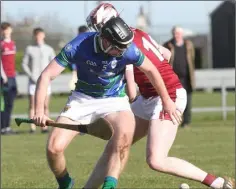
x=113 y=46
x=118 y=35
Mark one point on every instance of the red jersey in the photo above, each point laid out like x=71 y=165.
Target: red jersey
x=8 y=53
x=149 y=48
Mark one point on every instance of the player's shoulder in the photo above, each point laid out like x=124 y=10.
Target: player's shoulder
x=133 y=55
x=133 y=50
x=83 y=36
x=78 y=40
x=139 y=33
x=86 y=34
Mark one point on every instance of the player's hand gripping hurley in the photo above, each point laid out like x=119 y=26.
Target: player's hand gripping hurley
x=80 y=128
x=88 y=129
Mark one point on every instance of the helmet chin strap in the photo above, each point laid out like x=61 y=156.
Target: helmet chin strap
x=101 y=45
x=108 y=48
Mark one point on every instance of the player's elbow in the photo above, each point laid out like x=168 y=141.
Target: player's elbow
x=151 y=72
x=44 y=77
x=154 y=76
x=166 y=53
x=147 y=67
x=131 y=92
x=49 y=74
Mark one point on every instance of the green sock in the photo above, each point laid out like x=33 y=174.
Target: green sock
x=109 y=183
x=65 y=182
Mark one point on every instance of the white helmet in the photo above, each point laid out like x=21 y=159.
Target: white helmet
x=100 y=15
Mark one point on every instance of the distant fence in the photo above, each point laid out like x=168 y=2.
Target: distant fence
x=206 y=79
x=209 y=79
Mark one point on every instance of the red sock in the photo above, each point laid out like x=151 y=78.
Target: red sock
x=209 y=179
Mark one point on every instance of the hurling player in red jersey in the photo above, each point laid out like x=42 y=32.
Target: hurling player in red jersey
x=8 y=52
x=147 y=107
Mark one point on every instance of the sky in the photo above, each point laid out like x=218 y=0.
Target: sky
x=190 y=14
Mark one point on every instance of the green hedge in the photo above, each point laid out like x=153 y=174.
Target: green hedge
x=19 y=56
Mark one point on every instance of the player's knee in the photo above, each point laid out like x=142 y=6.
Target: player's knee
x=55 y=148
x=121 y=142
x=46 y=107
x=124 y=143
x=156 y=163
x=125 y=139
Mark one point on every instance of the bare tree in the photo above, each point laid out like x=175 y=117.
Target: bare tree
x=55 y=27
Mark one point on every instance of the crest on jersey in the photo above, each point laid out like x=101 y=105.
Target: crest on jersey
x=113 y=64
x=68 y=47
x=136 y=50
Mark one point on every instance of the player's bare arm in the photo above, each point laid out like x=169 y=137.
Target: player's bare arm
x=131 y=89
x=49 y=73
x=129 y=74
x=154 y=76
x=165 y=52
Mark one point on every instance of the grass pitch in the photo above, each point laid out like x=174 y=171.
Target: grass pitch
x=209 y=144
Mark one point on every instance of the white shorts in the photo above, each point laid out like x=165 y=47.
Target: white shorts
x=85 y=109
x=151 y=108
x=32 y=89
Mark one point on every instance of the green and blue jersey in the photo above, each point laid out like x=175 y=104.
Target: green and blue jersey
x=99 y=75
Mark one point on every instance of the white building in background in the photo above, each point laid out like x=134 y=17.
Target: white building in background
x=142 y=21
x=188 y=32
